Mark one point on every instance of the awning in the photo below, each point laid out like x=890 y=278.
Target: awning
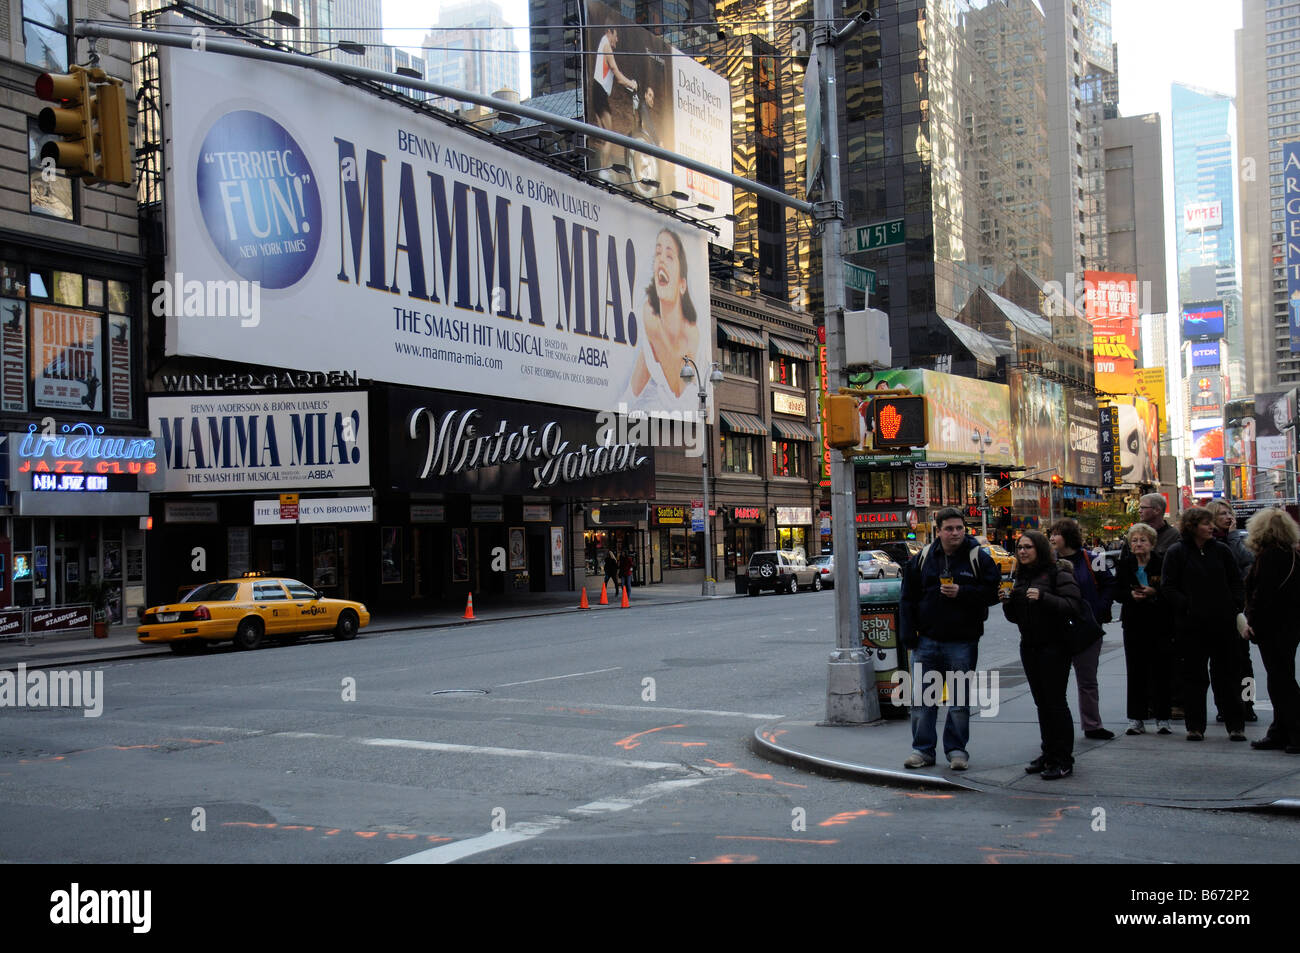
x=743 y=423
x=738 y=335
x=799 y=352
x=793 y=429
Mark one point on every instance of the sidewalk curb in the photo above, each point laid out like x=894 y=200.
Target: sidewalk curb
x=763 y=744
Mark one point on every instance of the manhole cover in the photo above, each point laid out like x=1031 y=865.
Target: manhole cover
x=460 y=691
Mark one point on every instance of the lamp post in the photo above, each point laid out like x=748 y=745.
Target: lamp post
x=691 y=373
x=982 y=443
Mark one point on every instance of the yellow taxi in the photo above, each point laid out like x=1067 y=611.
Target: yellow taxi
x=247 y=611
x=1006 y=562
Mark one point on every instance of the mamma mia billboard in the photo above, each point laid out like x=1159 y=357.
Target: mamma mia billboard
x=372 y=236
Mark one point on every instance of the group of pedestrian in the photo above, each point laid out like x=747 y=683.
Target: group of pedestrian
x=1190 y=598
x=619 y=569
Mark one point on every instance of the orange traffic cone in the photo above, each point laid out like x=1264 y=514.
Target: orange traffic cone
x=604 y=596
x=625 y=603
x=583 y=604
x=469 y=607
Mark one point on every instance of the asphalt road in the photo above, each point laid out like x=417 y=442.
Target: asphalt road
x=598 y=737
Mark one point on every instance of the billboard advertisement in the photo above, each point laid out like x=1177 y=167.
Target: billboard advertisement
x=1037 y=422
x=1291 y=222
x=1111 y=307
x=1149 y=382
x=1082 y=449
x=638 y=85
x=1139 y=441
x=1240 y=448
x=1206 y=354
x=956 y=407
x=1207 y=442
x=67 y=353
x=351 y=233
x=1198 y=216
x=1205 y=393
x=1203 y=322
x=1275 y=445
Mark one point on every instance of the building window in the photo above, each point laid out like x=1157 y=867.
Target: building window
x=45 y=34
x=742 y=361
x=740 y=453
x=681 y=549
x=788 y=458
x=785 y=370
x=50 y=190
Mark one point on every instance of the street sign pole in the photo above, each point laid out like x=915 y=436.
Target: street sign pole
x=851 y=681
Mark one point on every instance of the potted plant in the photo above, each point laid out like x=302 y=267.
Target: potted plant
x=96 y=594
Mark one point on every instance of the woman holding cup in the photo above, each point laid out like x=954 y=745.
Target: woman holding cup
x=1041 y=597
x=1148 y=632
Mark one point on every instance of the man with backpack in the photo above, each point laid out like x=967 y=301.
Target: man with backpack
x=947 y=590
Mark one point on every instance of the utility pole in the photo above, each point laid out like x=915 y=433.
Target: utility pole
x=851 y=681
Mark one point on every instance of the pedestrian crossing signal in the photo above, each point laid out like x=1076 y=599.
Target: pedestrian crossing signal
x=899 y=421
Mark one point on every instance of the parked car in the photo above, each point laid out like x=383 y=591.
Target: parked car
x=900 y=550
x=248 y=610
x=826 y=566
x=781 y=571
x=875 y=564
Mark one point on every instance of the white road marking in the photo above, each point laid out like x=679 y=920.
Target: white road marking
x=519 y=753
x=552 y=678
x=527 y=830
x=649 y=709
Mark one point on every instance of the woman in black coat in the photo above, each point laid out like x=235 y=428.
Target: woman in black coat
x=1043 y=595
x=1148 y=631
x=1272 y=600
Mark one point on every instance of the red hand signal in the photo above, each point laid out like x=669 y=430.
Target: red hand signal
x=890 y=421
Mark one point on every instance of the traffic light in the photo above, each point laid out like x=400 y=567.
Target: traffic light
x=1057 y=481
x=899 y=421
x=91 y=119
x=842 y=418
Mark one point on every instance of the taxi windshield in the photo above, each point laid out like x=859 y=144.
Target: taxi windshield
x=213 y=592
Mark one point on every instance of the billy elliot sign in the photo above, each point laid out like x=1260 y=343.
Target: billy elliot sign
x=453 y=443
x=384 y=240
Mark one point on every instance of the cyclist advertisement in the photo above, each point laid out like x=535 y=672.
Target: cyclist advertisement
x=640 y=86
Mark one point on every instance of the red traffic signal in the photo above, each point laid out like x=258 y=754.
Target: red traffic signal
x=1057 y=481
x=90 y=118
x=899 y=421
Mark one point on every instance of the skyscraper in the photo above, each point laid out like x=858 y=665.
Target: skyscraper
x=1268 y=114
x=471 y=47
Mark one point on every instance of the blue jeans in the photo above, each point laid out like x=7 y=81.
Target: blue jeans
x=942 y=657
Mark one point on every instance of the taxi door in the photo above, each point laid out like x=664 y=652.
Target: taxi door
x=273 y=605
x=309 y=614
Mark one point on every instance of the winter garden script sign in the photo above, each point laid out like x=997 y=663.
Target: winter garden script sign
x=384 y=240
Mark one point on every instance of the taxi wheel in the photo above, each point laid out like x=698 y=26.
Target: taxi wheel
x=346 y=630
x=249 y=635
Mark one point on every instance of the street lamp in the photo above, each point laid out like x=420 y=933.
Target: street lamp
x=982 y=444
x=691 y=373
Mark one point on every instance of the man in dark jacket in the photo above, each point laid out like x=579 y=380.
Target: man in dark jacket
x=947 y=590
x=1151 y=510
x=611 y=570
x=1225 y=521
x=1205 y=593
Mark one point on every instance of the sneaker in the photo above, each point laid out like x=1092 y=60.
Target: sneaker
x=1054 y=772
x=1196 y=736
x=1164 y=728
x=1236 y=736
x=1099 y=734
x=1136 y=727
x=918 y=760
x=959 y=762
x=1035 y=766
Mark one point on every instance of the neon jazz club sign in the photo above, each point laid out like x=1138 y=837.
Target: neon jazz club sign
x=80 y=458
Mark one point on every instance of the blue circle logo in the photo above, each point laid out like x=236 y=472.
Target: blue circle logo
x=259 y=199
